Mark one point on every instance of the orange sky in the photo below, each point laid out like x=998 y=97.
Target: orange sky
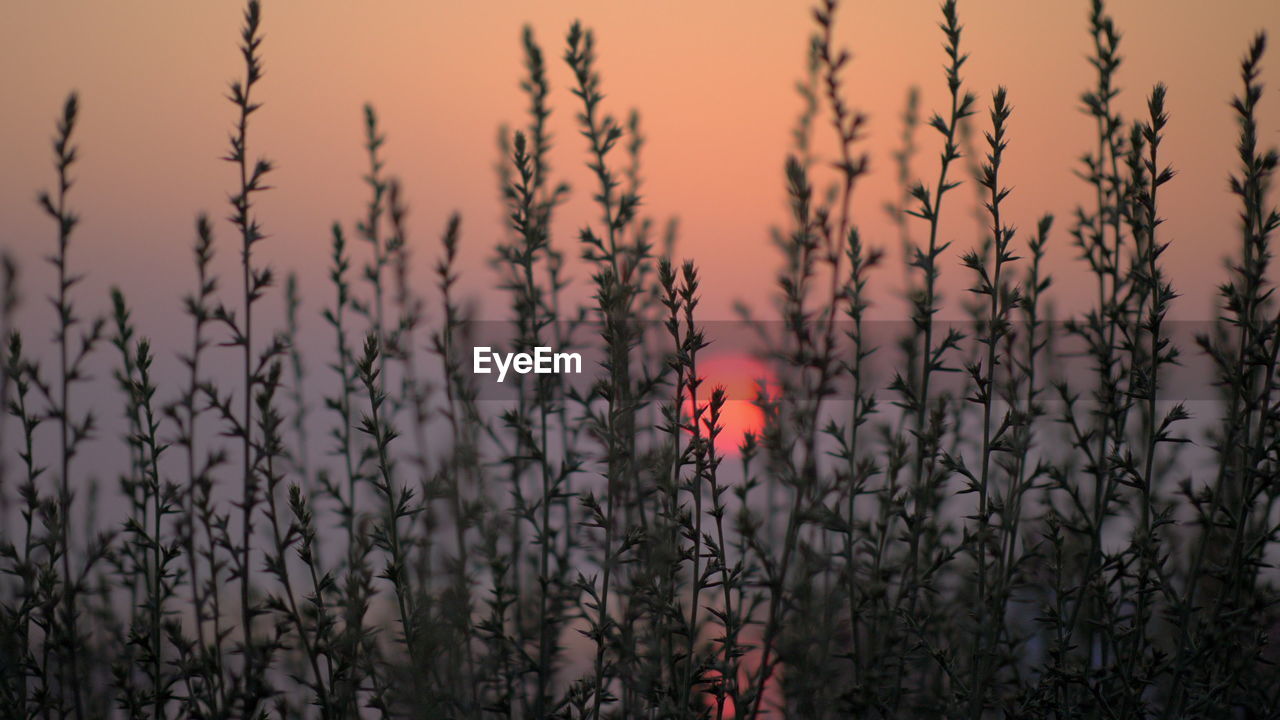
x=713 y=81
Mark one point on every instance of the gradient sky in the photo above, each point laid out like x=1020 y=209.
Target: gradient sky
x=713 y=81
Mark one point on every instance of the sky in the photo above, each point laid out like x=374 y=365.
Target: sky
x=713 y=81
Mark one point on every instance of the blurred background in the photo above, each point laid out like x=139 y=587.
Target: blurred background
x=713 y=81
x=715 y=85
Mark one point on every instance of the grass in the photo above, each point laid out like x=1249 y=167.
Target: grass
x=983 y=534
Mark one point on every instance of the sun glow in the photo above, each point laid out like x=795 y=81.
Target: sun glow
x=741 y=376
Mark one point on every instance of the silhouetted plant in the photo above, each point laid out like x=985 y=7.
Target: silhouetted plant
x=992 y=528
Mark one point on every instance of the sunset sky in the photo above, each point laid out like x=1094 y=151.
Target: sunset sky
x=208 y=510
x=713 y=81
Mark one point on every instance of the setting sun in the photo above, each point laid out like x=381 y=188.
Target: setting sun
x=741 y=376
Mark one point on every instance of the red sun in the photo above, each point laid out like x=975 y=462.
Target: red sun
x=741 y=376
x=748 y=670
